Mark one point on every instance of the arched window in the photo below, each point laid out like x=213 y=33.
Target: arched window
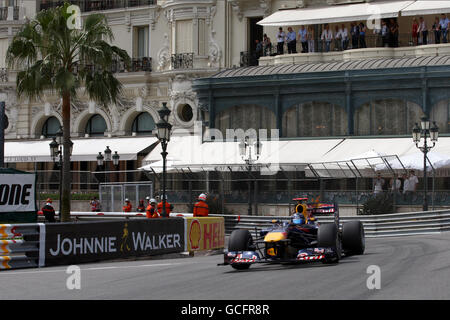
x=96 y=126
x=143 y=124
x=50 y=127
x=387 y=117
x=245 y=117
x=315 y=119
x=441 y=114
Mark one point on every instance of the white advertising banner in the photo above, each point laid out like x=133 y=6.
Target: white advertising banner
x=17 y=192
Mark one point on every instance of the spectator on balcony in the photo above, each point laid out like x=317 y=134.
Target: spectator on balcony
x=291 y=39
x=413 y=181
x=344 y=37
x=259 y=51
x=378 y=184
x=267 y=45
x=382 y=34
x=437 y=31
x=444 y=23
x=281 y=39
x=362 y=35
x=303 y=38
x=415 y=32
x=311 y=44
x=395 y=183
x=327 y=37
x=337 y=39
x=354 y=31
x=393 y=35
x=423 y=30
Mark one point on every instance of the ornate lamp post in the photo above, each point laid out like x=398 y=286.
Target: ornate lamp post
x=56 y=152
x=425 y=132
x=163 y=133
x=103 y=160
x=246 y=153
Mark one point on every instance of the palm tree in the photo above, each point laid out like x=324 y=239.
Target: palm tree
x=53 y=57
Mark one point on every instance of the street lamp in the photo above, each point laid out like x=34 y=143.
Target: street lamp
x=246 y=153
x=102 y=161
x=56 y=151
x=424 y=131
x=163 y=133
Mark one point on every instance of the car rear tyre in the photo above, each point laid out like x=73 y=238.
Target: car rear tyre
x=240 y=240
x=328 y=237
x=353 y=239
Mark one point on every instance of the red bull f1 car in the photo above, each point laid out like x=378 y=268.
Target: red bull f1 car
x=288 y=242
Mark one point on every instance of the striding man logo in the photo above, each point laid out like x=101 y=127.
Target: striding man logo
x=124 y=245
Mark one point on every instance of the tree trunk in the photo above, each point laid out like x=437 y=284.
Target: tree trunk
x=67 y=177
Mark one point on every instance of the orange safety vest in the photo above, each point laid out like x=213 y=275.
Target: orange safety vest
x=127 y=207
x=169 y=208
x=151 y=212
x=201 y=209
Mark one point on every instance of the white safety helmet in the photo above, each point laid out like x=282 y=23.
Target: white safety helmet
x=147 y=198
x=152 y=200
x=202 y=197
x=127 y=200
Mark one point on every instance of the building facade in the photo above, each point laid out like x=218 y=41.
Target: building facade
x=196 y=56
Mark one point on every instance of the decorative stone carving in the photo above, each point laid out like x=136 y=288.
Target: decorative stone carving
x=164 y=54
x=301 y=3
x=265 y=6
x=128 y=21
x=154 y=16
x=214 y=52
x=211 y=13
x=237 y=8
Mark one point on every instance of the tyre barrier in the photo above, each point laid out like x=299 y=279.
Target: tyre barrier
x=387 y=225
x=20 y=245
x=51 y=244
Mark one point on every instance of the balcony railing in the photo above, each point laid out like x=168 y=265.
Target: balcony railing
x=97 y=5
x=4 y=13
x=182 y=61
x=118 y=66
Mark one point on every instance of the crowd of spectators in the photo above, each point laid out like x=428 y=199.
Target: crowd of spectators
x=353 y=36
x=405 y=185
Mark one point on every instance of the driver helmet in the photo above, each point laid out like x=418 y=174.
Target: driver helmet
x=297 y=219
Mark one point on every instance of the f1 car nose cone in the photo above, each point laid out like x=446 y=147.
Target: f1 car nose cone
x=275 y=236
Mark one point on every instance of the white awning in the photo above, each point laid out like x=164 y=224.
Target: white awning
x=361 y=149
x=427 y=7
x=336 y=13
x=188 y=153
x=83 y=149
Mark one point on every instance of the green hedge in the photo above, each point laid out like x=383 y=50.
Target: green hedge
x=75 y=196
x=380 y=204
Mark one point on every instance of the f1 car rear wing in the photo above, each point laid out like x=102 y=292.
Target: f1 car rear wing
x=325 y=209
